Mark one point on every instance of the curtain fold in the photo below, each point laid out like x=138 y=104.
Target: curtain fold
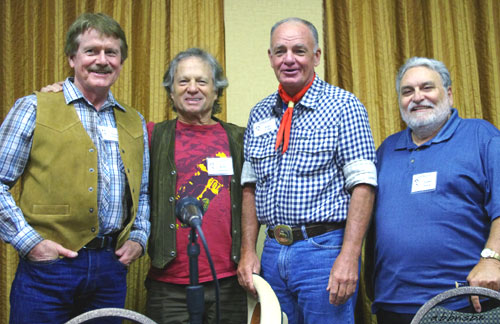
x=367 y=41
x=32 y=55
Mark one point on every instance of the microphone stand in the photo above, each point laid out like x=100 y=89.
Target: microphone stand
x=194 y=292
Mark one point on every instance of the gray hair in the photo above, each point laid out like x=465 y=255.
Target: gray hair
x=432 y=64
x=309 y=25
x=218 y=78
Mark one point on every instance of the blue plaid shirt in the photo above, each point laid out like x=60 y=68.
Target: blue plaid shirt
x=330 y=130
x=16 y=136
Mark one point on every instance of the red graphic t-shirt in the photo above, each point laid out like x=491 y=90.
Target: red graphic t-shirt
x=193 y=145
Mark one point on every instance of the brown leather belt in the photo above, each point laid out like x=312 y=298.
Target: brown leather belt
x=286 y=235
x=102 y=242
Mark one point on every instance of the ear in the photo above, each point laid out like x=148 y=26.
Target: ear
x=270 y=55
x=71 y=62
x=449 y=92
x=317 y=56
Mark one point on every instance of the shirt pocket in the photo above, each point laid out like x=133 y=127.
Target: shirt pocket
x=315 y=150
x=262 y=155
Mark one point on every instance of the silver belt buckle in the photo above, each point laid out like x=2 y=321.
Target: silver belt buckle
x=283 y=234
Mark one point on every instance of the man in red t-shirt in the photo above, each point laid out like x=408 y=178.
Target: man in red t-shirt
x=199 y=156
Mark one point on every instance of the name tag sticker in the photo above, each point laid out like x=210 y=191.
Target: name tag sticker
x=423 y=182
x=109 y=133
x=220 y=166
x=264 y=126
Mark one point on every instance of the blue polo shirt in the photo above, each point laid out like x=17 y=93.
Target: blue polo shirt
x=433 y=211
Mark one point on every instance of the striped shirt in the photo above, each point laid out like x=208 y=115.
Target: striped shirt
x=16 y=137
x=330 y=132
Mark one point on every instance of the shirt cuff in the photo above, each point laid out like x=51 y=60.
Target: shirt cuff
x=248 y=174
x=26 y=240
x=138 y=236
x=360 y=171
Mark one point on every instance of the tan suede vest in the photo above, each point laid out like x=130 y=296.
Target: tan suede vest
x=59 y=184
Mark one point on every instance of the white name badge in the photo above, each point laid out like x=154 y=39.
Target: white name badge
x=264 y=126
x=109 y=133
x=220 y=166
x=424 y=182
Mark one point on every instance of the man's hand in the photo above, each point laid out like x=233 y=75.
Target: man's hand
x=485 y=274
x=343 y=279
x=129 y=252
x=249 y=264
x=48 y=250
x=56 y=87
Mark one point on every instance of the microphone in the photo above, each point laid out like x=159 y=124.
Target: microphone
x=189 y=211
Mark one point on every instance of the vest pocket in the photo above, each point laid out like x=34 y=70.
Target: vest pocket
x=51 y=209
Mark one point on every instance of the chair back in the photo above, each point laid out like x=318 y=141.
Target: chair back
x=434 y=313
x=111 y=312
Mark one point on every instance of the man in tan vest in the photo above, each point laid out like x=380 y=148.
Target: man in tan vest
x=83 y=161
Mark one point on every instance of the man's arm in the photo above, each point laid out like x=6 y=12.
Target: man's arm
x=135 y=246
x=486 y=273
x=249 y=262
x=345 y=271
x=16 y=135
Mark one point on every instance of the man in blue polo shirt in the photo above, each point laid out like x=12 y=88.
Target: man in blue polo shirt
x=437 y=201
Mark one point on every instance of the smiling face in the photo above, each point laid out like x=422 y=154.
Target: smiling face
x=193 y=91
x=293 y=56
x=97 y=63
x=423 y=101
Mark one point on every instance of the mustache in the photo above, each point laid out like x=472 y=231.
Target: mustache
x=100 y=69
x=425 y=102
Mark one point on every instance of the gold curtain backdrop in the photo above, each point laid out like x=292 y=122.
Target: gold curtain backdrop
x=365 y=42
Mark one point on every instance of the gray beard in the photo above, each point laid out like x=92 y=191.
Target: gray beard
x=425 y=128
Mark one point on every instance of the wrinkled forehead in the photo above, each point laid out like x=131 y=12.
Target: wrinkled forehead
x=91 y=34
x=194 y=66
x=292 y=33
x=420 y=75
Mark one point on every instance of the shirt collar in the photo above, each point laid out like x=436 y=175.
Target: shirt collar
x=72 y=94
x=308 y=100
x=445 y=133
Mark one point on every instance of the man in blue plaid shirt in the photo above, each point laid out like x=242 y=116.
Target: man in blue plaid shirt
x=82 y=157
x=309 y=176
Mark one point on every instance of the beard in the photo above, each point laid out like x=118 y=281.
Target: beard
x=432 y=121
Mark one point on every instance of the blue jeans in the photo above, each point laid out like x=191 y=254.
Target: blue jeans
x=299 y=275
x=56 y=291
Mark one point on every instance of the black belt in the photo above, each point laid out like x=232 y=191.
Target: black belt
x=102 y=242
x=286 y=235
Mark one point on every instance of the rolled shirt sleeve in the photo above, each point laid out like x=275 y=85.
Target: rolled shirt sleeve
x=360 y=172
x=248 y=174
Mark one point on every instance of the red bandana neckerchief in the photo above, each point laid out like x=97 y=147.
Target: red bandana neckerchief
x=286 y=120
